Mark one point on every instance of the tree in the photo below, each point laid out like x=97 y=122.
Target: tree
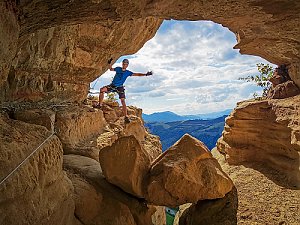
x=262 y=79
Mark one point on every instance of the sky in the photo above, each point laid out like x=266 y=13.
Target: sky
x=195 y=68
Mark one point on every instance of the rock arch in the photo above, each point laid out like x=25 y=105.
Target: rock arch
x=53 y=49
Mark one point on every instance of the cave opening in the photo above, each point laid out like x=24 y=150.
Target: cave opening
x=195 y=84
x=196 y=70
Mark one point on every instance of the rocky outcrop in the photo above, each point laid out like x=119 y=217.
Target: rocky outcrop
x=284 y=90
x=99 y=202
x=39 y=191
x=153 y=146
x=77 y=124
x=187 y=164
x=80 y=130
x=265 y=131
x=126 y=164
x=213 y=212
x=43 y=117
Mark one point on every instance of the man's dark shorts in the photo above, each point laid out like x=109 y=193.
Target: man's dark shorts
x=119 y=90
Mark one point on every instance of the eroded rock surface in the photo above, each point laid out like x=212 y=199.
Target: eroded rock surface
x=265 y=131
x=57 y=64
x=187 y=165
x=9 y=34
x=284 y=90
x=76 y=124
x=39 y=191
x=263 y=194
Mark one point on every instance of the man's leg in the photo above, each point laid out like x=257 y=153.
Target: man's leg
x=124 y=107
x=101 y=95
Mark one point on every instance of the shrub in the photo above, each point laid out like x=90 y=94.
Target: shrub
x=262 y=79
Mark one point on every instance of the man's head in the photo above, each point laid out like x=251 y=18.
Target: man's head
x=125 y=63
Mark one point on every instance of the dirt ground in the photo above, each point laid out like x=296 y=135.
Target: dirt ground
x=264 y=196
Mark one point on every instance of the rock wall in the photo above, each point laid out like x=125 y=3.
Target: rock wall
x=9 y=33
x=39 y=192
x=267 y=132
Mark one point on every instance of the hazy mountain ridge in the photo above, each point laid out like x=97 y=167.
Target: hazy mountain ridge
x=169 y=116
x=208 y=131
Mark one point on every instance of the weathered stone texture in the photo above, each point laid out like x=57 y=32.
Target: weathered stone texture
x=99 y=202
x=126 y=164
x=260 y=26
x=76 y=124
x=187 y=165
x=38 y=191
x=57 y=64
x=9 y=33
x=265 y=131
x=213 y=212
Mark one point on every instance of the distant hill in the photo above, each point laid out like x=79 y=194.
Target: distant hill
x=208 y=131
x=168 y=116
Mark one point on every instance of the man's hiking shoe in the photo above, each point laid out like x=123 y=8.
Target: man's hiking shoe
x=126 y=119
x=97 y=106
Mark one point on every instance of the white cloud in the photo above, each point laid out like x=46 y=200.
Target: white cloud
x=196 y=70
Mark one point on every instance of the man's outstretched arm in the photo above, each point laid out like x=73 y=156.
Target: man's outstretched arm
x=142 y=74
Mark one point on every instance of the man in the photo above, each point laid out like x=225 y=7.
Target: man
x=117 y=84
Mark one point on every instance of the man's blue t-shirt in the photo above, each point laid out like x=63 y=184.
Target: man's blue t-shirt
x=120 y=76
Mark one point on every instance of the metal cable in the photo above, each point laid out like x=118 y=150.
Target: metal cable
x=14 y=170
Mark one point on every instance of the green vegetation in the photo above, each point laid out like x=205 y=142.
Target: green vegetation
x=262 y=79
x=170 y=219
x=111 y=97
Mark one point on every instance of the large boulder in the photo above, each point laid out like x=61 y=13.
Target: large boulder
x=38 y=192
x=100 y=203
x=126 y=164
x=187 y=165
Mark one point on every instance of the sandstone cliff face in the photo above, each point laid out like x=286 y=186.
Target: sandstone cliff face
x=40 y=192
x=63 y=45
x=267 y=132
x=9 y=33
